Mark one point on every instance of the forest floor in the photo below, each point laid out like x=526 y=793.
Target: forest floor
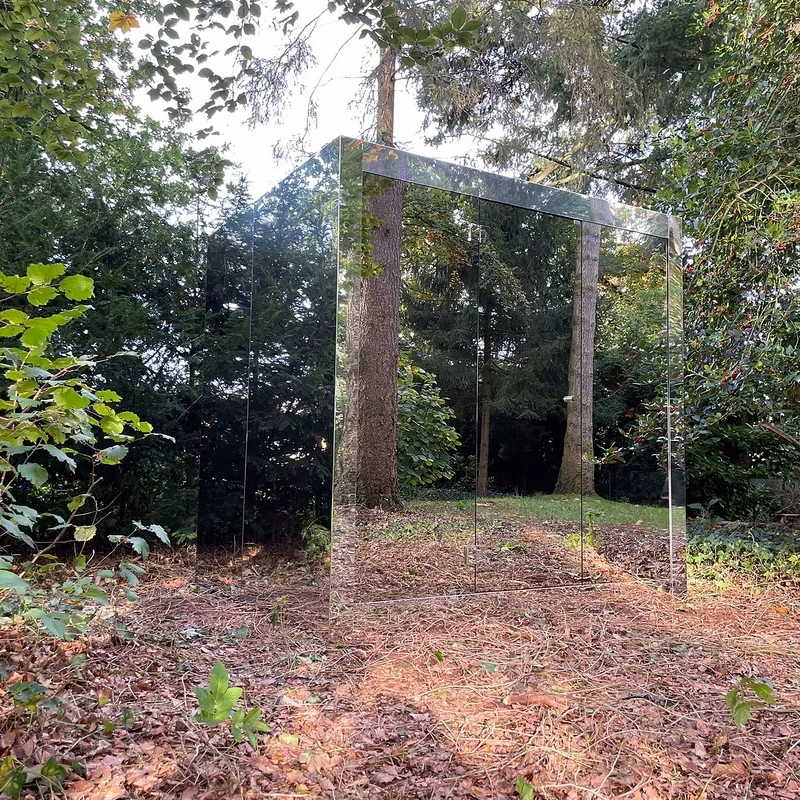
x=611 y=691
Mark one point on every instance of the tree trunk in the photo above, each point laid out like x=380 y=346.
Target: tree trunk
x=387 y=70
x=576 y=475
x=367 y=468
x=378 y=357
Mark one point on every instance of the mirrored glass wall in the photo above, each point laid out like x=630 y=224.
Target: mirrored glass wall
x=473 y=382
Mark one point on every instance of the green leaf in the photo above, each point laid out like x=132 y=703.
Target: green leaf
x=218 y=680
x=67 y=397
x=741 y=712
x=289 y=738
x=523 y=789
x=112 y=425
x=437 y=654
x=8 y=331
x=140 y=546
x=763 y=691
x=108 y=396
x=113 y=454
x=13 y=316
x=10 y=581
x=53 y=772
x=85 y=533
x=156 y=529
x=41 y=295
x=12 y=779
x=77 y=502
x=55 y=623
x=34 y=338
x=60 y=455
x=80 y=564
x=44 y=273
x=458 y=18
x=15 y=284
x=77 y=287
x=35 y=473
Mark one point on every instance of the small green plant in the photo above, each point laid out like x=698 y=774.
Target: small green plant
x=184 y=537
x=523 y=789
x=316 y=543
x=277 y=612
x=14 y=776
x=741 y=706
x=217 y=706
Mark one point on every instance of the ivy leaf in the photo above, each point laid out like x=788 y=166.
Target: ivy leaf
x=77 y=287
x=35 y=473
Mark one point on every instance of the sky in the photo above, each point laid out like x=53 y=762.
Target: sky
x=336 y=83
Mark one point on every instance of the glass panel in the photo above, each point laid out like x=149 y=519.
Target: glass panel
x=421 y=545
x=627 y=522
x=290 y=415
x=676 y=430
x=527 y=535
x=393 y=163
x=225 y=384
x=265 y=461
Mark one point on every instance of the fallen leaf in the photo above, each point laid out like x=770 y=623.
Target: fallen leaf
x=700 y=749
x=736 y=769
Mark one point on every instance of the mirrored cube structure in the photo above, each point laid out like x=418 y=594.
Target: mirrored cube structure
x=469 y=383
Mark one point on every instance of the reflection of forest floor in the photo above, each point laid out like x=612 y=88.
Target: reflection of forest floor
x=614 y=692
x=433 y=549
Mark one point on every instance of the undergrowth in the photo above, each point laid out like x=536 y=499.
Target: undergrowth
x=727 y=550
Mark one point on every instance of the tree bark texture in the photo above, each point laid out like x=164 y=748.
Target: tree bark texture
x=387 y=70
x=576 y=475
x=378 y=355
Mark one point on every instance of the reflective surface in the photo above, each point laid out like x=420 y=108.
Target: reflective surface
x=266 y=448
x=475 y=382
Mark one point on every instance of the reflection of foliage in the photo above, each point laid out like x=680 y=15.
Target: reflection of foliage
x=271 y=372
x=426 y=438
x=631 y=351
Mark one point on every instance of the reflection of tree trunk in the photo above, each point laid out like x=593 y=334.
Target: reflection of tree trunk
x=577 y=469
x=378 y=354
x=485 y=413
